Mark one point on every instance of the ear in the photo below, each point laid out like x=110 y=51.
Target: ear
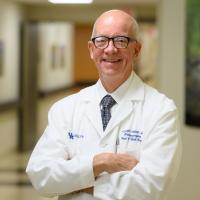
x=137 y=48
x=90 y=47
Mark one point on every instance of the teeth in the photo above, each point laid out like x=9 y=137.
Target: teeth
x=111 y=60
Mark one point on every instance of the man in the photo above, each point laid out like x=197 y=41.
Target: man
x=117 y=139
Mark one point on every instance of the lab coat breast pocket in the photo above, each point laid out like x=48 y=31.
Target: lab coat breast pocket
x=130 y=141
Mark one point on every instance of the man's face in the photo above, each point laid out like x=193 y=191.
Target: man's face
x=113 y=62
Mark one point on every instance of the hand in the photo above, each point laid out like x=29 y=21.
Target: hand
x=85 y=190
x=112 y=162
x=88 y=190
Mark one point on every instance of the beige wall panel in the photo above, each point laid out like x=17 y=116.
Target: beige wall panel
x=9 y=36
x=171 y=81
x=11 y=15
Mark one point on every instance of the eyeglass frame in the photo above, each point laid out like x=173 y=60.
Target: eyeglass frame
x=112 y=38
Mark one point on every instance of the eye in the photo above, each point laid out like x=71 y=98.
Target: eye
x=101 y=40
x=121 y=40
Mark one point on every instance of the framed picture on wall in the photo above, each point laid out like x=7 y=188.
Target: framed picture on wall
x=55 y=50
x=192 y=114
x=1 y=58
x=58 y=56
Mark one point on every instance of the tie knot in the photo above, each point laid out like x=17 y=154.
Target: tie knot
x=108 y=101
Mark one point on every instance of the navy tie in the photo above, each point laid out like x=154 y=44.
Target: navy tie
x=106 y=104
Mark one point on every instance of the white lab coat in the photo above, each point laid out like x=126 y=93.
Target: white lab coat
x=145 y=126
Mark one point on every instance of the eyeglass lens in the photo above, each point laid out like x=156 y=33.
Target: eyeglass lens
x=119 y=41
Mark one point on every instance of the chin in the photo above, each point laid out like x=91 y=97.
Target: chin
x=111 y=69
x=110 y=74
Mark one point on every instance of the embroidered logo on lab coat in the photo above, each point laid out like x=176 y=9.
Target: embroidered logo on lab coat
x=73 y=136
x=132 y=135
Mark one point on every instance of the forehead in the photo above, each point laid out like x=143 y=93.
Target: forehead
x=113 y=25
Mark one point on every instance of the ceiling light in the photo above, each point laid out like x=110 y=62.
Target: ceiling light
x=71 y=1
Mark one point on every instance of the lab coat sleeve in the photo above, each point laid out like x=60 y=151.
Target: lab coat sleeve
x=157 y=168
x=51 y=169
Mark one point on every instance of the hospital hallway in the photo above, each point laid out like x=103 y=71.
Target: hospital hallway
x=44 y=57
x=14 y=182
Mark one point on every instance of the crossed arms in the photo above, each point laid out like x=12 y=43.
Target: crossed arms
x=110 y=163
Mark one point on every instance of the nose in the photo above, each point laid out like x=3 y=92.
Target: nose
x=111 y=47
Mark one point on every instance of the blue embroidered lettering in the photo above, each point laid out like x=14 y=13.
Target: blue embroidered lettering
x=73 y=136
x=132 y=135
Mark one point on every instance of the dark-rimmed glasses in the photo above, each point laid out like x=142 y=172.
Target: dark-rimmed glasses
x=120 y=42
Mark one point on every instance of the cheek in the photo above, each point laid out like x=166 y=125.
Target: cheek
x=96 y=56
x=128 y=57
x=131 y=56
x=93 y=53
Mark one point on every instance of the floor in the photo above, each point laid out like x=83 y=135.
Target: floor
x=14 y=183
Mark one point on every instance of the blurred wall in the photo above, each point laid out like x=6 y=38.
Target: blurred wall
x=171 y=74
x=84 y=14
x=12 y=15
x=55 y=55
x=10 y=18
x=9 y=36
x=82 y=17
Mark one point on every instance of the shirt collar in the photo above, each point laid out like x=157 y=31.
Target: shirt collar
x=119 y=93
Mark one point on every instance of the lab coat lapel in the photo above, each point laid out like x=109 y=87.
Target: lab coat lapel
x=135 y=94
x=92 y=111
x=93 y=114
x=124 y=110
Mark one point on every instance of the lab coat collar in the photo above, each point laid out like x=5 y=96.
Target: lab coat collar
x=134 y=93
x=118 y=94
x=91 y=100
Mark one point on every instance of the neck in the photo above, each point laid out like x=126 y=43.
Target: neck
x=111 y=84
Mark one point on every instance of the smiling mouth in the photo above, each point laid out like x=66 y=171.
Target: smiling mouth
x=112 y=61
